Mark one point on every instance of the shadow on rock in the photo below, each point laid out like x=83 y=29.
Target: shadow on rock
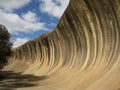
x=10 y=80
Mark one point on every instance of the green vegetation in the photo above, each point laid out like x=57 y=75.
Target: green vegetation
x=5 y=46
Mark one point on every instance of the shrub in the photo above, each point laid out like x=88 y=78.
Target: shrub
x=5 y=46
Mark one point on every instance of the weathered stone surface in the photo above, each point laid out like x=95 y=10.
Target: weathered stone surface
x=82 y=53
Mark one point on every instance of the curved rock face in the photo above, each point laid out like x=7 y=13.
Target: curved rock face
x=82 y=53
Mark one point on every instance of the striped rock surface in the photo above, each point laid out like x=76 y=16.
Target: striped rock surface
x=82 y=53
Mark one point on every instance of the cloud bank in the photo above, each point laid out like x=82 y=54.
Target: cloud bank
x=15 y=23
x=10 y=5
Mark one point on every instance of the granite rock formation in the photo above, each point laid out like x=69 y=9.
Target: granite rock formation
x=82 y=53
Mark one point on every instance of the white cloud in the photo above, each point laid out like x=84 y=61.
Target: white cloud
x=19 y=41
x=10 y=5
x=15 y=23
x=53 y=7
x=30 y=17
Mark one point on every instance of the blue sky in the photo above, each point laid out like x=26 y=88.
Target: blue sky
x=27 y=19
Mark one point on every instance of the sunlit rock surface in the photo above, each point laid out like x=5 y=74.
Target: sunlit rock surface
x=82 y=53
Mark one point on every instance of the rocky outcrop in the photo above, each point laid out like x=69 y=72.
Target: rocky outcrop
x=82 y=53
